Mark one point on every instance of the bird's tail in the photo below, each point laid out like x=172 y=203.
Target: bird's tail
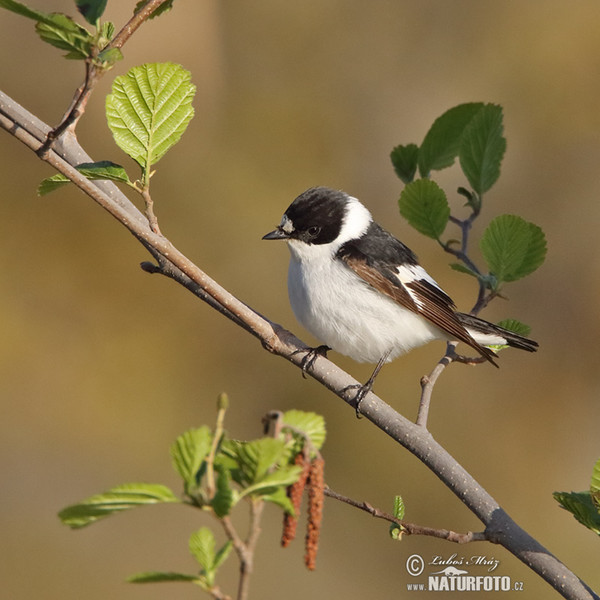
x=488 y=334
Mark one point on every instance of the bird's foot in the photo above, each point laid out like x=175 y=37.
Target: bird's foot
x=311 y=355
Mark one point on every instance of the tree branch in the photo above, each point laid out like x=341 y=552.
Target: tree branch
x=499 y=527
x=409 y=528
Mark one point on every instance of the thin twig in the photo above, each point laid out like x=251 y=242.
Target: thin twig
x=93 y=74
x=405 y=526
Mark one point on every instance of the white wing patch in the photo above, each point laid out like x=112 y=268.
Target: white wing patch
x=409 y=273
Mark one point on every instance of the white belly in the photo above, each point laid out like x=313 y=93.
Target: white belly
x=350 y=316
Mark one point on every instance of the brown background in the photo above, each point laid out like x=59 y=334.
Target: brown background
x=102 y=366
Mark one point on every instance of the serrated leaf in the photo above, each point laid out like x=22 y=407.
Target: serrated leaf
x=62 y=32
x=512 y=247
x=161 y=577
x=202 y=546
x=424 y=205
x=149 y=109
x=482 y=148
x=404 y=159
x=515 y=326
x=225 y=496
x=163 y=8
x=256 y=458
x=267 y=485
x=25 y=11
x=399 y=507
x=91 y=10
x=441 y=143
x=189 y=451
x=104 y=169
x=580 y=505
x=280 y=498
x=117 y=499
x=310 y=424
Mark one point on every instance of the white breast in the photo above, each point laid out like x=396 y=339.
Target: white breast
x=345 y=313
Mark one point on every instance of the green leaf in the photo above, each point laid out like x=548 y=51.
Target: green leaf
x=441 y=144
x=404 y=160
x=424 y=205
x=515 y=326
x=482 y=148
x=399 y=508
x=595 y=485
x=202 y=546
x=189 y=452
x=107 y=58
x=224 y=497
x=258 y=457
x=62 y=32
x=117 y=499
x=104 y=169
x=281 y=478
x=280 y=498
x=513 y=247
x=310 y=424
x=149 y=109
x=25 y=11
x=581 y=506
x=163 y=8
x=91 y=10
x=161 y=577
x=463 y=269
x=222 y=554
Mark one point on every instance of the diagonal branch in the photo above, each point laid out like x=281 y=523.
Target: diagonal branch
x=499 y=527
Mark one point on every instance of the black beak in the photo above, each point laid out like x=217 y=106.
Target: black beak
x=277 y=234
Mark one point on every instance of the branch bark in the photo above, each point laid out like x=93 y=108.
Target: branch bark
x=500 y=528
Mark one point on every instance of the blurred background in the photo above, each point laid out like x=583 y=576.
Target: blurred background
x=103 y=365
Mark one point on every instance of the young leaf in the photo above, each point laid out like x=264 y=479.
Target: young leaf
x=404 y=160
x=582 y=508
x=512 y=247
x=149 y=109
x=482 y=148
x=161 y=577
x=256 y=458
x=117 y=499
x=62 y=32
x=281 y=478
x=463 y=269
x=188 y=453
x=202 y=546
x=224 y=497
x=310 y=424
x=515 y=326
x=25 y=11
x=595 y=485
x=91 y=10
x=442 y=141
x=424 y=205
x=104 y=169
x=163 y=8
x=280 y=498
x=399 y=507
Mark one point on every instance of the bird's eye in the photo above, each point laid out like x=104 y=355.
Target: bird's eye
x=314 y=231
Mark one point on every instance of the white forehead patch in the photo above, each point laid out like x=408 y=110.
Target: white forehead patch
x=356 y=221
x=286 y=224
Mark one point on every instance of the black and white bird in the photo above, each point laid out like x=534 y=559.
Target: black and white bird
x=362 y=292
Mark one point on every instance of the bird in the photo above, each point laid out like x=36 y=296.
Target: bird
x=362 y=292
